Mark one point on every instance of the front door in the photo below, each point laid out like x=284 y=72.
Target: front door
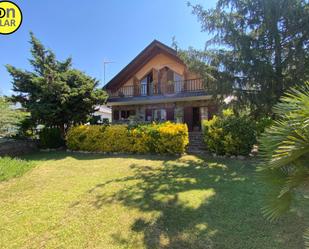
x=192 y=118
x=196 y=119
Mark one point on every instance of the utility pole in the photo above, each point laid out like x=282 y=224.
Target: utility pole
x=104 y=67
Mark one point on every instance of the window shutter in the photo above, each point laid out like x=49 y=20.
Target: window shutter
x=115 y=115
x=162 y=80
x=136 y=86
x=155 y=76
x=170 y=75
x=170 y=114
x=148 y=113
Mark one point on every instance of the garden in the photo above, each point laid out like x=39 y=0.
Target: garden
x=67 y=181
x=76 y=200
x=133 y=186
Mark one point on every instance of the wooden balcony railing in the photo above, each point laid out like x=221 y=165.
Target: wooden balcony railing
x=157 y=88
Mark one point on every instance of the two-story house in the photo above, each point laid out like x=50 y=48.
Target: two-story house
x=155 y=86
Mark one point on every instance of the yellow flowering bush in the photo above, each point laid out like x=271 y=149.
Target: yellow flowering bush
x=173 y=138
x=140 y=139
x=165 y=138
x=116 y=139
x=85 y=138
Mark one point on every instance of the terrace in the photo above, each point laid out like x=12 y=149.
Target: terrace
x=179 y=88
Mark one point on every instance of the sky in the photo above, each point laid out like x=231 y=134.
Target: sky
x=93 y=31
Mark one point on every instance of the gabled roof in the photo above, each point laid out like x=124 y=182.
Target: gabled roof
x=139 y=61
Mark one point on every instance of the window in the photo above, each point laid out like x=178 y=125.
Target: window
x=159 y=114
x=148 y=115
x=122 y=114
x=125 y=114
x=144 y=87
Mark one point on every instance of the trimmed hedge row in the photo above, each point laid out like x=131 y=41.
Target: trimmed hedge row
x=164 y=138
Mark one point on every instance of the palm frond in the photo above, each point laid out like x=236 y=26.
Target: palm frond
x=284 y=152
x=306 y=238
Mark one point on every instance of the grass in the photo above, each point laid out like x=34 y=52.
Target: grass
x=92 y=201
x=13 y=167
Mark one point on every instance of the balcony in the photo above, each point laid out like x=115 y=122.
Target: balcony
x=168 y=89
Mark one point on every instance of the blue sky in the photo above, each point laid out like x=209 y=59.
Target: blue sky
x=91 y=31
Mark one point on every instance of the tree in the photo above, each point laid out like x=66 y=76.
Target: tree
x=284 y=149
x=11 y=117
x=216 y=82
x=262 y=45
x=55 y=94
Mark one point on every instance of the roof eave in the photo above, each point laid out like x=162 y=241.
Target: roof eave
x=139 y=61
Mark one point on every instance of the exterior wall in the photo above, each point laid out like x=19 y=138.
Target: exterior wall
x=207 y=109
x=175 y=110
x=161 y=84
x=162 y=68
x=204 y=112
x=104 y=115
x=158 y=62
x=104 y=112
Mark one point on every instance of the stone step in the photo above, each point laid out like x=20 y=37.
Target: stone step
x=196 y=143
x=196 y=138
x=197 y=146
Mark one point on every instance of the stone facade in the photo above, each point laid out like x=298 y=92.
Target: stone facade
x=176 y=111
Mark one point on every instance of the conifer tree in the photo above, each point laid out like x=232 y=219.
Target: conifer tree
x=55 y=94
x=262 y=46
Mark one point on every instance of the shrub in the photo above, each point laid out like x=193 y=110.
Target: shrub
x=229 y=134
x=173 y=138
x=261 y=124
x=214 y=135
x=85 y=138
x=164 y=138
x=141 y=140
x=116 y=139
x=51 y=138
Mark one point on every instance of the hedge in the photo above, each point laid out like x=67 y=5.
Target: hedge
x=229 y=135
x=163 y=138
x=51 y=138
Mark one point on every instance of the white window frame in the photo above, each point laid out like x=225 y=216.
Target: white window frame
x=144 y=87
x=163 y=114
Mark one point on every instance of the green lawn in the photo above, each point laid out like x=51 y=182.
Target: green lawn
x=93 y=201
x=13 y=167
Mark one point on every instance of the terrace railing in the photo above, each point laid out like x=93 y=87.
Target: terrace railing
x=160 y=88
